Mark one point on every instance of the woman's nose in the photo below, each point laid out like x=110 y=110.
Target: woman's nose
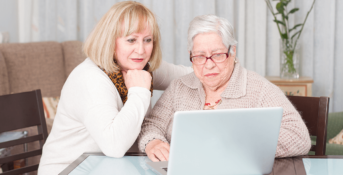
x=210 y=64
x=140 y=47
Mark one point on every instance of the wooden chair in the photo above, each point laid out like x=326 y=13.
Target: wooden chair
x=314 y=111
x=18 y=111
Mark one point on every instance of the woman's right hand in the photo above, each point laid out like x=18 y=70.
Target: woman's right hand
x=157 y=150
x=137 y=78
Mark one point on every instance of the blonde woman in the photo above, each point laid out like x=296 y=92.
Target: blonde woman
x=106 y=97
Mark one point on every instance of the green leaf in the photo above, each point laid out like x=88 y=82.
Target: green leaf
x=295 y=27
x=284 y=35
x=280 y=22
x=295 y=34
x=279 y=7
x=293 y=10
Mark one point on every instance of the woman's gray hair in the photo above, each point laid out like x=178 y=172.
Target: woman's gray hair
x=211 y=23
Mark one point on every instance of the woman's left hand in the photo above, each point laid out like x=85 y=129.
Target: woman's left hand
x=137 y=78
x=157 y=150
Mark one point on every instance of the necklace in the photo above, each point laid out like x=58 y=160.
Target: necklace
x=208 y=106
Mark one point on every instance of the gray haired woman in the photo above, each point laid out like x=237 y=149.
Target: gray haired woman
x=219 y=82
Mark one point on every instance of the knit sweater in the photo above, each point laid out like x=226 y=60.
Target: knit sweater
x=91 y=116
x=245 y=89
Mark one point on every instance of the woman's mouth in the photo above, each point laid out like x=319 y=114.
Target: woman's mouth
x=137 y=60
x=211 y=74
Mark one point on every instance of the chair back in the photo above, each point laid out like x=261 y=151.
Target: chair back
x=19 y=111
x=314 y=111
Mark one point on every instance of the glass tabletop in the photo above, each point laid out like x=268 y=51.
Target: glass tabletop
x=323 y=166
x=8 y=136
x=128 y=165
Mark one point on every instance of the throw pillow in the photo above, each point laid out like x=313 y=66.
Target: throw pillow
x=50 y=106
x=338 y=139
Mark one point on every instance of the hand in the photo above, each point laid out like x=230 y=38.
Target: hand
x=137 y=78
x=157 y=150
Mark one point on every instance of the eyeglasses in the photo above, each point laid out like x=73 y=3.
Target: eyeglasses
x=217 y=58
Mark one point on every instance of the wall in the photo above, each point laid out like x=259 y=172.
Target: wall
x=9 y=19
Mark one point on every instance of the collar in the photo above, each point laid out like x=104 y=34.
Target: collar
x=235 y=89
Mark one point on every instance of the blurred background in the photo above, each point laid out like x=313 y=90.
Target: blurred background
x=321 y=42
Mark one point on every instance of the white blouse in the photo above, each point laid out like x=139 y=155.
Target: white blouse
x=92 y=118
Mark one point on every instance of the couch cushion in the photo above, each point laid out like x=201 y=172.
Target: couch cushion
x=73 y=55
x=50 y=106
x=35 y=66
x=338 y=139
x=4 y=84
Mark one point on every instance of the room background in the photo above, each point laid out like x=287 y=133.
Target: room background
x=321 y=43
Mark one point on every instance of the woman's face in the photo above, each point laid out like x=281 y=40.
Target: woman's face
x=212 y=75
x=134 y=51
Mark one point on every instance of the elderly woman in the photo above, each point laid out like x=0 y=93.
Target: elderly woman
x=219 y=82
x=105 y=98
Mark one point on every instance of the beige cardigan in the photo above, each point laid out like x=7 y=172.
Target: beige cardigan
x=246 y=89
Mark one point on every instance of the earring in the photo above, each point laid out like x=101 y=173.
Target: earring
x=235 y=61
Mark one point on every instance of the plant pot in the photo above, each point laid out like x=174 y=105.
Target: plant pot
x=289 y=60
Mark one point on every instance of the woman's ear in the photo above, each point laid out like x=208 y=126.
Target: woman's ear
x=233 y=51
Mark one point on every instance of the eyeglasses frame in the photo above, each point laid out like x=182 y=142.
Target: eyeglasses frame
x=207 y=58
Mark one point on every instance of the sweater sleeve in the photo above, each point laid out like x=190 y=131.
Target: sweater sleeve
x=114 y=129
x=156 y=123
x=294 y=138
x=168 y=72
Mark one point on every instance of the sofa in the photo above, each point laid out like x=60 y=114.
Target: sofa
x=334 y=126
x=40 y=65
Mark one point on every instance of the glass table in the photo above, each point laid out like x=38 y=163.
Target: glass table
x=135 y=163
x=8 y=136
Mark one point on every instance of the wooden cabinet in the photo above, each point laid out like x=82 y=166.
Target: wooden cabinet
x=296 y=87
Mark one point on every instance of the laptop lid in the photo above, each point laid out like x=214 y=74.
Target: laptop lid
x=230 y=141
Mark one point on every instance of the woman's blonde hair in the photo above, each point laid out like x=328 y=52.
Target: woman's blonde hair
x=123 y=19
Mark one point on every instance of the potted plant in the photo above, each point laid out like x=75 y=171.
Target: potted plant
x=289 y=61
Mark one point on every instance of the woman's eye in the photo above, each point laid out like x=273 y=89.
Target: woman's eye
x=148 y=40
x=201 y=57
x=131 y=40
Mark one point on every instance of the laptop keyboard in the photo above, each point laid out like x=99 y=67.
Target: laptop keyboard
x=165 y=169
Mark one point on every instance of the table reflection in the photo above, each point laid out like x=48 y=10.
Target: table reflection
x=128 y=165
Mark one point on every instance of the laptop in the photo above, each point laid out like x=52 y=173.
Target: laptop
x=229 y=141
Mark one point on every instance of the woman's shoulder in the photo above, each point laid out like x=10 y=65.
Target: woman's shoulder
x=260 y=83
x=190 y=80
x=87 y=71
x=87 y=67
x=253 y=76
x=85 y=75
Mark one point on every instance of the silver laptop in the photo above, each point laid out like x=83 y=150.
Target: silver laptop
x=230 y=141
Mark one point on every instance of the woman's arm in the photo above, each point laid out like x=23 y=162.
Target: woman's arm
x=156 y=123
x=168 y=72
x=114 y=129
x=294 y=138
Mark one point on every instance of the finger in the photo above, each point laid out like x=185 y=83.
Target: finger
x=153 y=158
x=160 y=156
x=167 y=146
x=165 y=153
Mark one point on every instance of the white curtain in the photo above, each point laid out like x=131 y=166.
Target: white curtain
x=321 y=45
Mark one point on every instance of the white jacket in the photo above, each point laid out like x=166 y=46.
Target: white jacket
x=92 y=118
